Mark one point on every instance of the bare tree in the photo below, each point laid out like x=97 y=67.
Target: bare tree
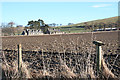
x=110 y=25
x=54 y=24
x=11 y=24
x=86 y=25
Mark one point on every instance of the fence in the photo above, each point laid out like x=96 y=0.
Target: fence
x=58 y=56
x=58 y=65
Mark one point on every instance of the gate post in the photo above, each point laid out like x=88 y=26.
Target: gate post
x=99 y=53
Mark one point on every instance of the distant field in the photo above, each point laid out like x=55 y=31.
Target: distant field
x=106 y=21
x=79 y=27
x=73 y=30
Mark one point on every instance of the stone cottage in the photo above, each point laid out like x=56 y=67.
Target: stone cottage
x=40 y=32
x=32 y=32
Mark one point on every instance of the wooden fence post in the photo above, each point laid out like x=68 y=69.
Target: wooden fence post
x=99 y=53
x=19 y=57
x=44 y=69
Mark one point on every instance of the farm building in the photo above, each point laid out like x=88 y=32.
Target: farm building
x=40 y=32
x=55 y=31
x=32 y=32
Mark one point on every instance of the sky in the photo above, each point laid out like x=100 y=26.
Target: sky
x=57 y=12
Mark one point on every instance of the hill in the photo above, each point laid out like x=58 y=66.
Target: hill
x=106 y=21
x=80 y=27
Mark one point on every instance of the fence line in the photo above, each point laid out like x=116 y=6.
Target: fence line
x=19 y=59
x=98 y=50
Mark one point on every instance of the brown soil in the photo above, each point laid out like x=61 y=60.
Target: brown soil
x=73 y=49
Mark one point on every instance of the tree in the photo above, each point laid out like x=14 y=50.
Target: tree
x=3 y=25
x=95 y=26
x=86 y=25
x=54 y=24
x=45 y=29
x=12 y=28
x=11 y=24
x=31 y=23
x=19 y=26
x=50 y=25
x=70 y=23
x=117 y=24
x=39 y=25
x=41 y=22
x=112 y=25
x=57 y=24
x=60 y=24
x=102 y=25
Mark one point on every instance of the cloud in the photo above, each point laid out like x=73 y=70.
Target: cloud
x=101 y=5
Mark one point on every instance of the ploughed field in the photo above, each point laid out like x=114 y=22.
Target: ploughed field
x=64 y=53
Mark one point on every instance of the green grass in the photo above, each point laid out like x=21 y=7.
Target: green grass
x=77 y=31
x=73 y=30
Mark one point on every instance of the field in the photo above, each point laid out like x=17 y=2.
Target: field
x=61 y=55
x=80 y=27
x=73 y=29
x=106 y=21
